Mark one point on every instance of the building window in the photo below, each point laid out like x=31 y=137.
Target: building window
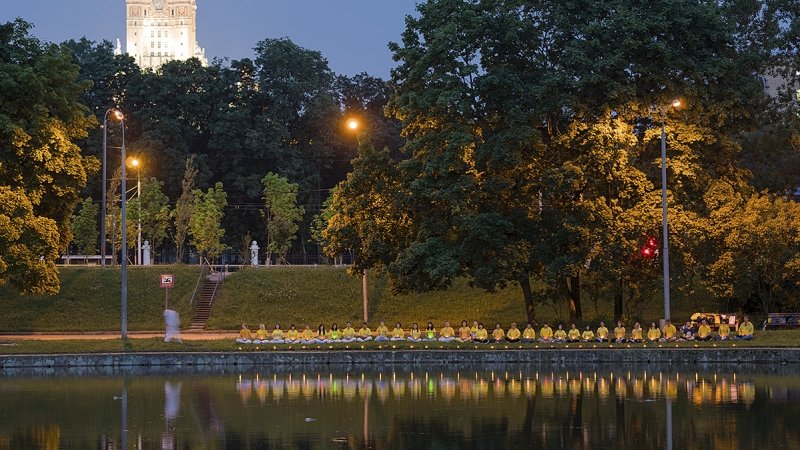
x=152 y=44
x=152 y=54
x=152 y=33
x=159 y=44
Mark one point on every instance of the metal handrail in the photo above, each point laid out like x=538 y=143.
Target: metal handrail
x=197 y=286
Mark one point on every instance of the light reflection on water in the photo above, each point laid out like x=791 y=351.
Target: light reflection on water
x=510 y=408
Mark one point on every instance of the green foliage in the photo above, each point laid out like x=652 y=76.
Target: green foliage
x=281 y=214
x=182 y=213
x=155 y=213
x=205 y=221
x=41 y=168
x=84 y=227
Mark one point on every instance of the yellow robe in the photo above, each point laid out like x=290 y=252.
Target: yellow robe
x=245 y=333
x=602 y=333
x=261 y=334
x=307 y=334
x=481 y=334
x=574 y=334
x=513 y=334
x=364 y=332
x=619 y=332
x=588 y=335
x=653 y=334
x=703 y=331
x=447 y=332
x=724 y=330
x=382 y=330
x=398 y=333
x=560 y=334
x=746 y=329
x=348 y=332
x=546 y=332
x=293 y=335
x=670 y=331
x=277 y=334
x=498 y=334
x=636 y=333
x=529 y=333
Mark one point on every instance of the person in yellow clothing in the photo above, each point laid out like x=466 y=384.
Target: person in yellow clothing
x=745 y=330
x=322 y=336
x=637 y=334
x=724 y=331
x=619 y=333
x=669 y=333
x=546 y=333
x=498 y=335
x=277 y=335
x=364 y=333
x=430 y=333
x=447 y=333
x=560 y=335
x=307 y=335
x=382 y=333
x=528 y=334
x=348 y=333
x=261 y=334
x=464 y=333
x=602 y=333
x=703 y=331
x=653 y=334
x=588 y=335
x=474 y=328
x=335 y=334
x=398 y=334
x=574 y=334
x=481 y=335
x=513 y=333
x=292 y=336
x=414 y=335
x=245 y=336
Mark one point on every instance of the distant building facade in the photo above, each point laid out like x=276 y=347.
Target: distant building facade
x=159 y=31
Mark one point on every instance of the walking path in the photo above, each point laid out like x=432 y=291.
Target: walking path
x=110 y=335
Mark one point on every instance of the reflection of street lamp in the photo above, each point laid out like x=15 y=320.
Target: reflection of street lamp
x=354 y=125
x=123 y=190
x=675 y=104
x=137 y=164
x=118 y=114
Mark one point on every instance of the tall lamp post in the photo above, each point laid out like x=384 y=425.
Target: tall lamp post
x=118 y=114
x=354 y=125
x=124 y=190
x=675 y=104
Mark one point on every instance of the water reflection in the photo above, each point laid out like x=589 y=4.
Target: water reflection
x=396 y=409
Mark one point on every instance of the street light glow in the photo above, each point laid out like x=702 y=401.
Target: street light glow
x=676 y=103
x=118 y=114
x=352 y=124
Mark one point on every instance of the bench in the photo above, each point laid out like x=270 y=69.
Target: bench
x=782 y=320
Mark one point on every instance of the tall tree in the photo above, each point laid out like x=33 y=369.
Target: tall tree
x=281 y=214
x=84 y=227
x=205 y=223
x=41 y=168
x=182 y=214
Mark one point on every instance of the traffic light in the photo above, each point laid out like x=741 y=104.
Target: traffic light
x=650 y=249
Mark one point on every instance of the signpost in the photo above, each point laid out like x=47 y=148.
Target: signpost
x=167 y=283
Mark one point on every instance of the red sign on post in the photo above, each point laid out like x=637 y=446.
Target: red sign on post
x=167 y=280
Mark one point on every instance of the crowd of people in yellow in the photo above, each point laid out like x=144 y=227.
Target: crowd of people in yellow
x=478 y=333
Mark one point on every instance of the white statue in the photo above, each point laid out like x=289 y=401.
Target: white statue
x=146 y=253
x=254 y=254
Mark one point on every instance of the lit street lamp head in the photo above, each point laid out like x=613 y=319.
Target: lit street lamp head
x=676 y=103
x=352 y=124
x=118 y=114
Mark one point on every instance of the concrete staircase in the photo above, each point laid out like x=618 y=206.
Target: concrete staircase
x=207 y=295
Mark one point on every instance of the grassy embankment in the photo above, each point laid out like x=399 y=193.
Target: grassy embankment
x=90 y=301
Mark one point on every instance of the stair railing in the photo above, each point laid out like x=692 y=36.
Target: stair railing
x=199 y=280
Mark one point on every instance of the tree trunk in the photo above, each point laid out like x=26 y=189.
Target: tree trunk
x=573 y=289
x=525 y=283
x=618 y=301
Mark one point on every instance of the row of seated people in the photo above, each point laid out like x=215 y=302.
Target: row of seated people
x=478 y=333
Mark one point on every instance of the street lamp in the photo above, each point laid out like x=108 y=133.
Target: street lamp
x=124 y=190
x=675 y=104
x=118 y=114
x=137 y=164
x=353 y=125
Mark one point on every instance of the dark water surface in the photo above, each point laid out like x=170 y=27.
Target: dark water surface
x=498 y=407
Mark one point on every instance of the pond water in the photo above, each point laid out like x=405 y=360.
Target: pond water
x=500 y=407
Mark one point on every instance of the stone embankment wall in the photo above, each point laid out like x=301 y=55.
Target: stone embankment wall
x=438 y=359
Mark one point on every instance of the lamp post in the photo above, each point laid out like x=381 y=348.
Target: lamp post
x=665 y=240
x=123 y=189
x=353 y=125
x=118 y=114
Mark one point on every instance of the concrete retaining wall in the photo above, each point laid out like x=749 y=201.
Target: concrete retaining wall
x=427 y=358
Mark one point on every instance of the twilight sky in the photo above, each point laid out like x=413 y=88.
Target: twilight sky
x=351 y=34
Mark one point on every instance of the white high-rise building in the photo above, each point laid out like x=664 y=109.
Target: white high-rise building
x=162 y=30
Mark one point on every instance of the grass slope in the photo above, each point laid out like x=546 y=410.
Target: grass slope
x=317 y=295
x=90 y=301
